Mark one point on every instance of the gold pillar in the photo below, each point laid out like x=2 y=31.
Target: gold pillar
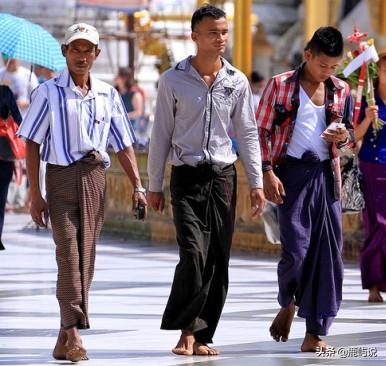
x=382 y=17
x=377 y=12
x=319 y=14
x=201 y=3
x=315 y=16
x=242 y=36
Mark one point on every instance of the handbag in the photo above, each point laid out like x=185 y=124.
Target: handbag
x=352 y=195
x=8 y=129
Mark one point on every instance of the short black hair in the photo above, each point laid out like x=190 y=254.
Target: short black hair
x=256 y=77
x=206 y=11
x=326 y=40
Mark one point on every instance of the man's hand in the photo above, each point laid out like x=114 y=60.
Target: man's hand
x=336 y=136
x=156 y=201
x=273 y=188
x=257 y=201
x=39 y=211
x=139 y=198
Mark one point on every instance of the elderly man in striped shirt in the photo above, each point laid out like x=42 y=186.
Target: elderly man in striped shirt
x=301 y=175
x=72 y=120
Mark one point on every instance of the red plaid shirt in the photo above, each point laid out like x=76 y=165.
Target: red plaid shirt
x=277 y=112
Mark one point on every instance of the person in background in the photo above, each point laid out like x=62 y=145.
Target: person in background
x=21 y=81
x=8 y=109
x=132 y=98
x=372 y=163
x=43 y=73
x=257 y=84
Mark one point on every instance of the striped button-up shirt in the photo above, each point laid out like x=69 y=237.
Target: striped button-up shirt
x=192 y=121
x=276 y=115
x=69 y=125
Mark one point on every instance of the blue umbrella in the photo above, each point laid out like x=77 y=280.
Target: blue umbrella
x=29 y=42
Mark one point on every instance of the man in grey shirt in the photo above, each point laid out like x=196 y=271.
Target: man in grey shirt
x=197 y=102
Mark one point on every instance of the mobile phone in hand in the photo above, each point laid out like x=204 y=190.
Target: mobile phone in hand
x=140 y=212
x=332 y=128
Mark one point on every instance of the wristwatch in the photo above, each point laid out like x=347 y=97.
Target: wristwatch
x=140 y=190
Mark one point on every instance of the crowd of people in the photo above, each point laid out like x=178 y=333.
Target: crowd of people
x=289 y=153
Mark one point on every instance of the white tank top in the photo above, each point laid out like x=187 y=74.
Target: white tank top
x=309 y=125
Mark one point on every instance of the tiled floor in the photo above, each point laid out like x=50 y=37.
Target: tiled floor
x=130 y=288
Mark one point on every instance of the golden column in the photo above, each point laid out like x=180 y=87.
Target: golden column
x=319 y=14
x=377 y=11
x=242 y=36
x=382 y=17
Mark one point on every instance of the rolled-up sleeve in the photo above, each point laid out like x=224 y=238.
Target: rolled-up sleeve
x=121 y=134
x=36 y=122
x=161 y=137
x=243 y=119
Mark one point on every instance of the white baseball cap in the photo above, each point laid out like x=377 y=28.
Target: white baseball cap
x=81 y=31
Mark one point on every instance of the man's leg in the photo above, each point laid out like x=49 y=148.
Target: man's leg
x=62 y=199
x=222 y=204
x=316 y=328
x=92 y=182
x=294 y=245
x=310 y=270
x=189 y=192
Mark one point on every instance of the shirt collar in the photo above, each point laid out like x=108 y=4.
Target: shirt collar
x=331 y=83
x=226 y=70
x=64 y=80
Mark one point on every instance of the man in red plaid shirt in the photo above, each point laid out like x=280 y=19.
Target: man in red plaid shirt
x=299 y=144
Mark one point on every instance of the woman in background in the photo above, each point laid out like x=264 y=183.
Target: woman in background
x=8 y=110
x=131 y=96
x=372 y=159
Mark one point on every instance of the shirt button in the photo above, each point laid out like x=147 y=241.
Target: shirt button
x=371 y=140
x=376 y=158
x=374 y=145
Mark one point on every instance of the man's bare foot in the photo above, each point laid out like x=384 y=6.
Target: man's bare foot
x=60 y=350
x=374 y=294
x=313 y=343
x=202 y=349
x=281 y=325
x=184 y=346
x=75 y=350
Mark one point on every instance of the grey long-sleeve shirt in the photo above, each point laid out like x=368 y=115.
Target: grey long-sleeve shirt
x=192 y=121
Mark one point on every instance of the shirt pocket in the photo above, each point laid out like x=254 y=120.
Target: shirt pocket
x=100 y=122
x=225 y=95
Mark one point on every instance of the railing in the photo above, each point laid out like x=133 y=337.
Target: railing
x=249 y=234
